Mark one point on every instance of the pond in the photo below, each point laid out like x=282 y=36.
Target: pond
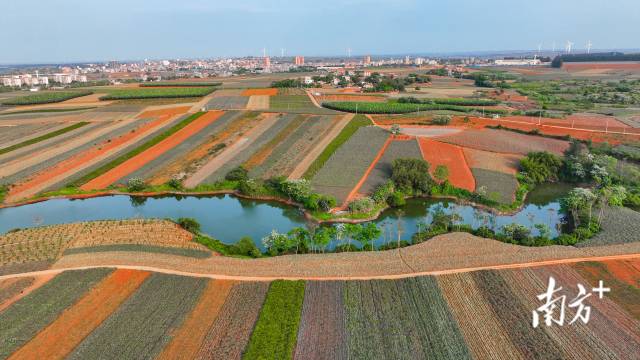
x=228 y=218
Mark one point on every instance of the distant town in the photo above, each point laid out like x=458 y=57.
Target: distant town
x=114 y=72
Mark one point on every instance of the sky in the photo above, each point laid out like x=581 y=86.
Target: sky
x=41 y=31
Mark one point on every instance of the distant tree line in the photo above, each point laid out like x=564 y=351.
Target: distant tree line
x=610 y=56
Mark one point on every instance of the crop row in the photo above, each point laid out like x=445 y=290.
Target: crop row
x=348 y=164
x=148 y=144
x=180 y=84
x=25 y=318
x=451 y=101
x=160 y=93
x=43 y=137
x=400 y=108
x=45 y=97
x=495 y=185
x=290 y=153
x=382 y=171
x=143 y=325
x=274 y=336
x=346 y=133
x=102 y=313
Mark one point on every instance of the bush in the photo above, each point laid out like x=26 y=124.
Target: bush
x=411 y=176
x=441 y=120
x=396 y=199
x=362 y=205
x=136 y=184
x=237 y=174
x=249 y=187
x=190 y=224
x=175 y=183
x=246 y=247
x=540 y=167
x=382 y=192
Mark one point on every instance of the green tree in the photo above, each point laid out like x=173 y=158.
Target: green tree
x=442 y=173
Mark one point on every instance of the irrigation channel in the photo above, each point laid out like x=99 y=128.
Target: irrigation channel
x=228 y=218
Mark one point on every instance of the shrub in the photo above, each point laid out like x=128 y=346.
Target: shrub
x=190 y=224
x=382 y=192
x=362 y=205
x=175 y=183
x=246 y=247
x=396 y=199
x=540 y=167
x=237 y=174
x=249 y=187
x=136 y=184
x=441 y=120
x=411 y=176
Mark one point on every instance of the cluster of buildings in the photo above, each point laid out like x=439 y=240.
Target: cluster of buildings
x=36 y=80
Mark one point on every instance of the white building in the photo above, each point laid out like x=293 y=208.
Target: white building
x=518 y=62
x=307 y=80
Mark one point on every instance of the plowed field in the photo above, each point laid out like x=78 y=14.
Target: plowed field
x=437 y=153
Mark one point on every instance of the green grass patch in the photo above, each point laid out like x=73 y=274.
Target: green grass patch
x=353 y=126
x=180 y=84
x=43 y=137
x=159 y=93
x=275 y=333
x=124 y=157
x=45 y=97
x=25 y=318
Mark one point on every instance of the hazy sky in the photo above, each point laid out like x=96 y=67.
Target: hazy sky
x=83 y=30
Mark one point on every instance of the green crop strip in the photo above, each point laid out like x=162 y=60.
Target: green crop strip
x=275 y=333
x=46 y=98
x=43 y=137
x=158 y=93
x=124 y=157
x=353 y=126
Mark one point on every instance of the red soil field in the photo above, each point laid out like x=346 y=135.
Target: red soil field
x=604 y=65
x=58 y=339
x=165 y=112
x=437 y=153
x=69 y=165
x=153 y=152
x=576 y=121
x=625 y=271
x=187 y=340
x=268 y=92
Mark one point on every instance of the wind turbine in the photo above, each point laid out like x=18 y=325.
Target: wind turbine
x=349 y=52
x=554 y=47
x=569 y=46
x=281 y=52
x=264 y=52
x=589 y=46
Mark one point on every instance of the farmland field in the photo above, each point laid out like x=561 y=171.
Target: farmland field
x=158 y=93
x=228 y=102
x=45 y=98
x=274 y=335
x=382 y=171
x=29 y=315
x=141 y=327
x=437 y=153
x=497 y=186
x=344 y=135
x=355 y=155
x=296 y=104
x=106 y=313
x=502 y=141
x=180 y=84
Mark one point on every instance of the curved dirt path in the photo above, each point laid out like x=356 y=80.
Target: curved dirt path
x=47 y=274
x=446 y=254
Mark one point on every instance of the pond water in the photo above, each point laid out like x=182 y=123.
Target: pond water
x=228 y=218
